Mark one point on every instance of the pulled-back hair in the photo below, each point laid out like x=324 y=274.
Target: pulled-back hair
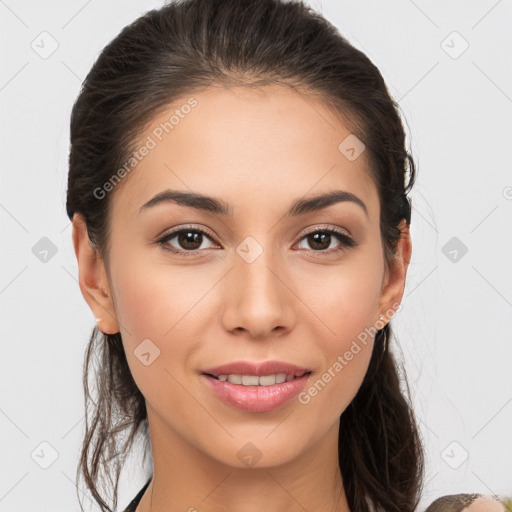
x=452 y=502
x=186 y=46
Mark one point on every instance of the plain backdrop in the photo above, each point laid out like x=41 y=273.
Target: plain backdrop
x=448 y=66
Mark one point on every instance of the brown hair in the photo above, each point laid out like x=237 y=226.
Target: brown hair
x=459 y=502
x=188 y=45
x=452 y=503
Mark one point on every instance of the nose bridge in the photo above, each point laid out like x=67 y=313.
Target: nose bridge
x=257 y=300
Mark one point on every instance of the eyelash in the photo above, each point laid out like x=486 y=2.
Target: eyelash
x=346 y=242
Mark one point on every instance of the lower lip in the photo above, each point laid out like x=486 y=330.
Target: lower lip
x=256 y=398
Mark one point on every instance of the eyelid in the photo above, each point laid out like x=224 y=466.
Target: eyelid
x=327 y=227
x=191 y=227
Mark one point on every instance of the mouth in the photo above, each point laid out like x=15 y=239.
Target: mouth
x=256 y=393
x=258 y=380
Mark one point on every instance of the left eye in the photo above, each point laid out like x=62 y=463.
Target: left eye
x=321 y=239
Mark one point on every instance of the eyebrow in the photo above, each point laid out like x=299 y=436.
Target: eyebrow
x=219 y=207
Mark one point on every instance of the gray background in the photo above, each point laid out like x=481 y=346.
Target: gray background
x=455 y=323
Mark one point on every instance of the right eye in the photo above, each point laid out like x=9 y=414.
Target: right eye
x=189 y=240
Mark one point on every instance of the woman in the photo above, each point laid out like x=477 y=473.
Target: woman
x=238 y=184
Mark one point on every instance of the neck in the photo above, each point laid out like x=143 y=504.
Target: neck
x=185 y=478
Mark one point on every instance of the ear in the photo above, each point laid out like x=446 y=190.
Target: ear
x=92 y=278
x=394 y=277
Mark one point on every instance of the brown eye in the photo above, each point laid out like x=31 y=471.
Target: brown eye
x=185 y=240
x=320 y=241
x=190 y=240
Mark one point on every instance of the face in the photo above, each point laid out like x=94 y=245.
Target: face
x=192 y=289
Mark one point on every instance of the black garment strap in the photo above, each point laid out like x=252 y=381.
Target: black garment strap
x=133 y=504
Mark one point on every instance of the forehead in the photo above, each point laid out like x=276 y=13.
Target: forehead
x=249 y=146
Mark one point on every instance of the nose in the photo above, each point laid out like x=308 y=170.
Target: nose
x=258 y=300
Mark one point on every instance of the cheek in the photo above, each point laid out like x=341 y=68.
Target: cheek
x=346 y=357
x=346 y=299
x=153 y=299
x=168 y=305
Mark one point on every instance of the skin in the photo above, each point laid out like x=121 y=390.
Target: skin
x=258 y=150
x=485 y=504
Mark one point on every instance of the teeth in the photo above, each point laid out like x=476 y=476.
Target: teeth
x=250 y=380
x=255 y=380
x=235 y=379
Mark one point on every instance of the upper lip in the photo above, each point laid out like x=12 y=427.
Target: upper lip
x=256 y=368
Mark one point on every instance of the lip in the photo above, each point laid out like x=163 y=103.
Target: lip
x=253 y=368
x=256 y=398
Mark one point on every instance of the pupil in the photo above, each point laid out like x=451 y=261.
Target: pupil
x=318 y=238
x=189 y=237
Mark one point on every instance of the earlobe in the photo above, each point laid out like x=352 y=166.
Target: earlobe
x=92 y=278
x=393 y=291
